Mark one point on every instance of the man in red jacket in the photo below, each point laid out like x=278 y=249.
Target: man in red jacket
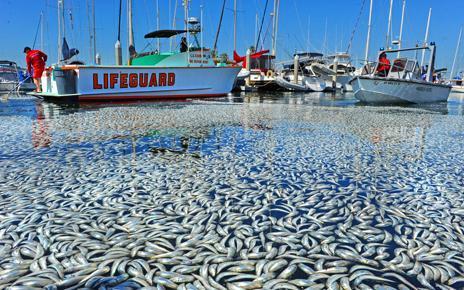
x=35 y=60
x=384 y=65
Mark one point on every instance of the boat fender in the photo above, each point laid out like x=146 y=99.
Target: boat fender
x=270 y=73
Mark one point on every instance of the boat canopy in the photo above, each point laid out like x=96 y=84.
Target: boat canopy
x=167 y=33
x=7 y=62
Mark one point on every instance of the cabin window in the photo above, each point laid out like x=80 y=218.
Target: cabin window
x=398 y=65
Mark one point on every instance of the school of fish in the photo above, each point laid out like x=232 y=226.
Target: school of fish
x=209 y=195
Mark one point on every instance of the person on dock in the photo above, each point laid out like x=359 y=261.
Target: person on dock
x=183 y=45
x=384 y=65
x=35 y=60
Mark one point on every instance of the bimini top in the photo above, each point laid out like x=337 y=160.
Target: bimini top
x=166 y=33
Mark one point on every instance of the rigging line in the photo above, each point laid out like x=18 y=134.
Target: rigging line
x=355 y=26
x=219 y=26
x=262 y=22
x=37 y=31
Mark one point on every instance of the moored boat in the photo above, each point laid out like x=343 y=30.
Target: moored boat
x=403 y=82
x=12 y=78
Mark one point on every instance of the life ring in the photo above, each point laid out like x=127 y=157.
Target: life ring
x=270 y=74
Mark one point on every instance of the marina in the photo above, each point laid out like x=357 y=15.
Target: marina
x=232 y=193
x=223 y=145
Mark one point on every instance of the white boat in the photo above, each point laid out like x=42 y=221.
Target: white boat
x=150 y=75
x=12 y=78
x=343 y=71
x=457 y=89
x=403 y=83
x=297 y=75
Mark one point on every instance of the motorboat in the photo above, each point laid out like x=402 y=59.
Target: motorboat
x=298 y=76
x=405 y=82
x=337 y=70
x=188 y=73
x=13 y=78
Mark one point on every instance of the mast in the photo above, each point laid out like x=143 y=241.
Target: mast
x=387 y=44
x=173 y=24
x=276 y=26
x=456 y=54
x=201 y=33
x=157 y=22
x=186 y=7
x=94 y=32
x=60 y=7
x=131 y=30
x=41 y=30
x=400 y=40
x=426 y=36
x=117 y=45
x=235 y=25
x=369 y=26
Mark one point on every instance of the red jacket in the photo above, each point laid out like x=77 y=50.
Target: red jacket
x=384 y=64
x=35 y=59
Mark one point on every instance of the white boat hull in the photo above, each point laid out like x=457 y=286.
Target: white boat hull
x=388 y=90
x=307 y=84
x=144 y=82
x=457 y=89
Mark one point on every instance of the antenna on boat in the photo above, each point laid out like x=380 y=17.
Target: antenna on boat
x=369 y=26
x=400 y=40
x=456 y=54
x=117 y=46
x=426 y=36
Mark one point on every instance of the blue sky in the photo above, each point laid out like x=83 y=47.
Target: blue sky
x=302 y=25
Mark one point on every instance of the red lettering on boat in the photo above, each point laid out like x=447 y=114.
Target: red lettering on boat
x=123 y=81
x=162 y=79
x=113 y=80
x=171 y=79
x=153 y=82
x=143 y=80
x=133 y=80
x=96 y=85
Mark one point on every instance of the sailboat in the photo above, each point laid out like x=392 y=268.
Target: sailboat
x=151 y=75
x=403 y=83
x=457 y=81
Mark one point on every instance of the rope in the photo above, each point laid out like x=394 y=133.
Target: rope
x=262 y=22
x=355 y=26
x=37 y=31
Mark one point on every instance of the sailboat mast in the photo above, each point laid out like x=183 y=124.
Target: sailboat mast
x=235 y=25
x=400 y=40
x=158 y=23
x=387 y=44
x=173 y=23
x=369 y=26
x=131 y=30
x=94 y=32
x=456 y=54
x=276 y=26
x=426 y=39
x=60 y=7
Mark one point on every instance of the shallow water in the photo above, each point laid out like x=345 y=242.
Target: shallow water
x=251 y=191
